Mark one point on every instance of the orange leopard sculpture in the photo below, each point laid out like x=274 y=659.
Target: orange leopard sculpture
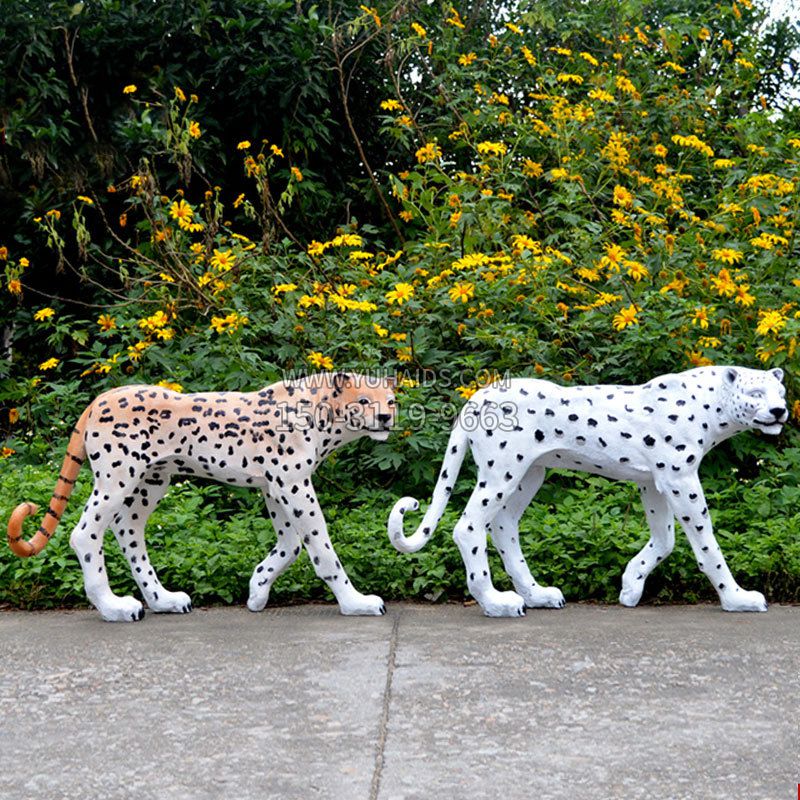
x=137 y=438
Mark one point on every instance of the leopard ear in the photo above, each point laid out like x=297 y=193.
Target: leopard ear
x=778 y=373
x=731 y=375
x=391 y=381
x=340 y=380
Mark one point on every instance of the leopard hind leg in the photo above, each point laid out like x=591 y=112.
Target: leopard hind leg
x=504 y=529
x=470 y=533
x=87 y=542
x=129 y=524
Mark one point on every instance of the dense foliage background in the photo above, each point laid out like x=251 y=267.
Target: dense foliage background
x=209 y=194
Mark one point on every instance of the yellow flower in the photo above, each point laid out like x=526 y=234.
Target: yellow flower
x=462 y=291
x=181 y=211
x=701 y=317
x=622 y=197
x=697 y=359
x=492 y=148
x=194 y=130
x=625 y=85
x=400 y=293
x=14 y=286
x=296 y=174
x=276 y=151
x=382 y=332
x=179 y=95
x=419 y=30
x=49 y=364
x=465 y=59
x=173 y=387
x=316 y=359
x=106 y=322
x=636 y=270
x=694 y=143
x=243 y=145
x=13 y=416
x=346 y=240
x=229 y=324
x=154 y=321
x=129 y=89
x=626 y=316
x=612 y=258
x=602 y=95
x=5 y=452
x=282 y=288
x=391 y=105
x=770 y=321
x=742 y=295
x=532 y=169
x=727 y=255
x=454 y=19
x=660 y=151
x=223 y=260
x=404 y=354
x=372 y=12
x=84 y=199
x=724 y=283
x=430 y=152
x=43 y=313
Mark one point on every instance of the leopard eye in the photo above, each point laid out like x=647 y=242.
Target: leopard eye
x=363 y=401
x=757 y=394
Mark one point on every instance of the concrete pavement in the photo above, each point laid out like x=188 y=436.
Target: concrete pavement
x=426 y=703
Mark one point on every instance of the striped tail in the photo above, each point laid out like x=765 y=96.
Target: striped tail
x=457 y=448
x=76 y=453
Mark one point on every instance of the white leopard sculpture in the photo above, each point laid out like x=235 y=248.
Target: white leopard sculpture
x=655 y=434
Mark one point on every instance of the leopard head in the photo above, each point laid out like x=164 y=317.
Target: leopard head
x=369 y=403
x=755 y=398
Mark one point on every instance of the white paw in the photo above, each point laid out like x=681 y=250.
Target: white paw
x=121 y=609
x=742 y=600
x=630 y=597
x=171 y=603
x=503 y=604
x=257 y=600
x=362 y=604
x=544 y=597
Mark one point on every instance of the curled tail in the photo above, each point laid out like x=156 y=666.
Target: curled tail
x=456 y=449
x=76 y=453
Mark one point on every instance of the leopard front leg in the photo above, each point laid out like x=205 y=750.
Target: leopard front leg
x=301 y=506
x=688 y=503
x=662 y=539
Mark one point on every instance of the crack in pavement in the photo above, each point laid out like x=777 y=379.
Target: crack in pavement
x=375 y=786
